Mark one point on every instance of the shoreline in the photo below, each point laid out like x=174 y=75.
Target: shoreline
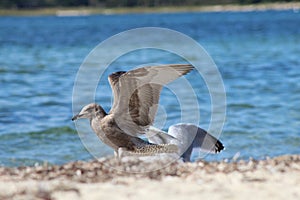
x=84 y=11
x=273 y=178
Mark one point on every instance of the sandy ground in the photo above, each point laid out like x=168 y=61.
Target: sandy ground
x=277 y=178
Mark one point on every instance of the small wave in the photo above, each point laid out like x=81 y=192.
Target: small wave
x=241 y=105
x=13 y=162
x=54 y=130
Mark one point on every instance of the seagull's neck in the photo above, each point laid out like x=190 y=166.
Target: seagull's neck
x=100 y=112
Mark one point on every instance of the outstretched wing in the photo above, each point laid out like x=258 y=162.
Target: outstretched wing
x=136 y=94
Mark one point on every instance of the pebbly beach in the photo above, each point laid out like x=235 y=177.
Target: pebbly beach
x=272 y=178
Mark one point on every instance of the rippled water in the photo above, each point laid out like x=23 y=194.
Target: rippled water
x=257 y=54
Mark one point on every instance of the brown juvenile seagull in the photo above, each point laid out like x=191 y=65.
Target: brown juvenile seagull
x=136 y=95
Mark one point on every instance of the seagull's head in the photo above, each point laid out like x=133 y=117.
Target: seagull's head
x=89 y=111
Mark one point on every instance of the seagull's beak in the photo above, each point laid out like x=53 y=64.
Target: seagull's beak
x=76 y=117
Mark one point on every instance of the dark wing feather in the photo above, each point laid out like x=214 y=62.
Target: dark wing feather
x=142 y=112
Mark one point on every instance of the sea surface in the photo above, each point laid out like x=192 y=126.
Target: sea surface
x=257 y=54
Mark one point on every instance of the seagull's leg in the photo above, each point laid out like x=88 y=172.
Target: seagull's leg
x=122 y=151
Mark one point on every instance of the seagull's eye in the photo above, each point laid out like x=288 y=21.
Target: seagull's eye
x=96 y=109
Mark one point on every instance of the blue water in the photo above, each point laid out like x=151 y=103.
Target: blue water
x=257 y=54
